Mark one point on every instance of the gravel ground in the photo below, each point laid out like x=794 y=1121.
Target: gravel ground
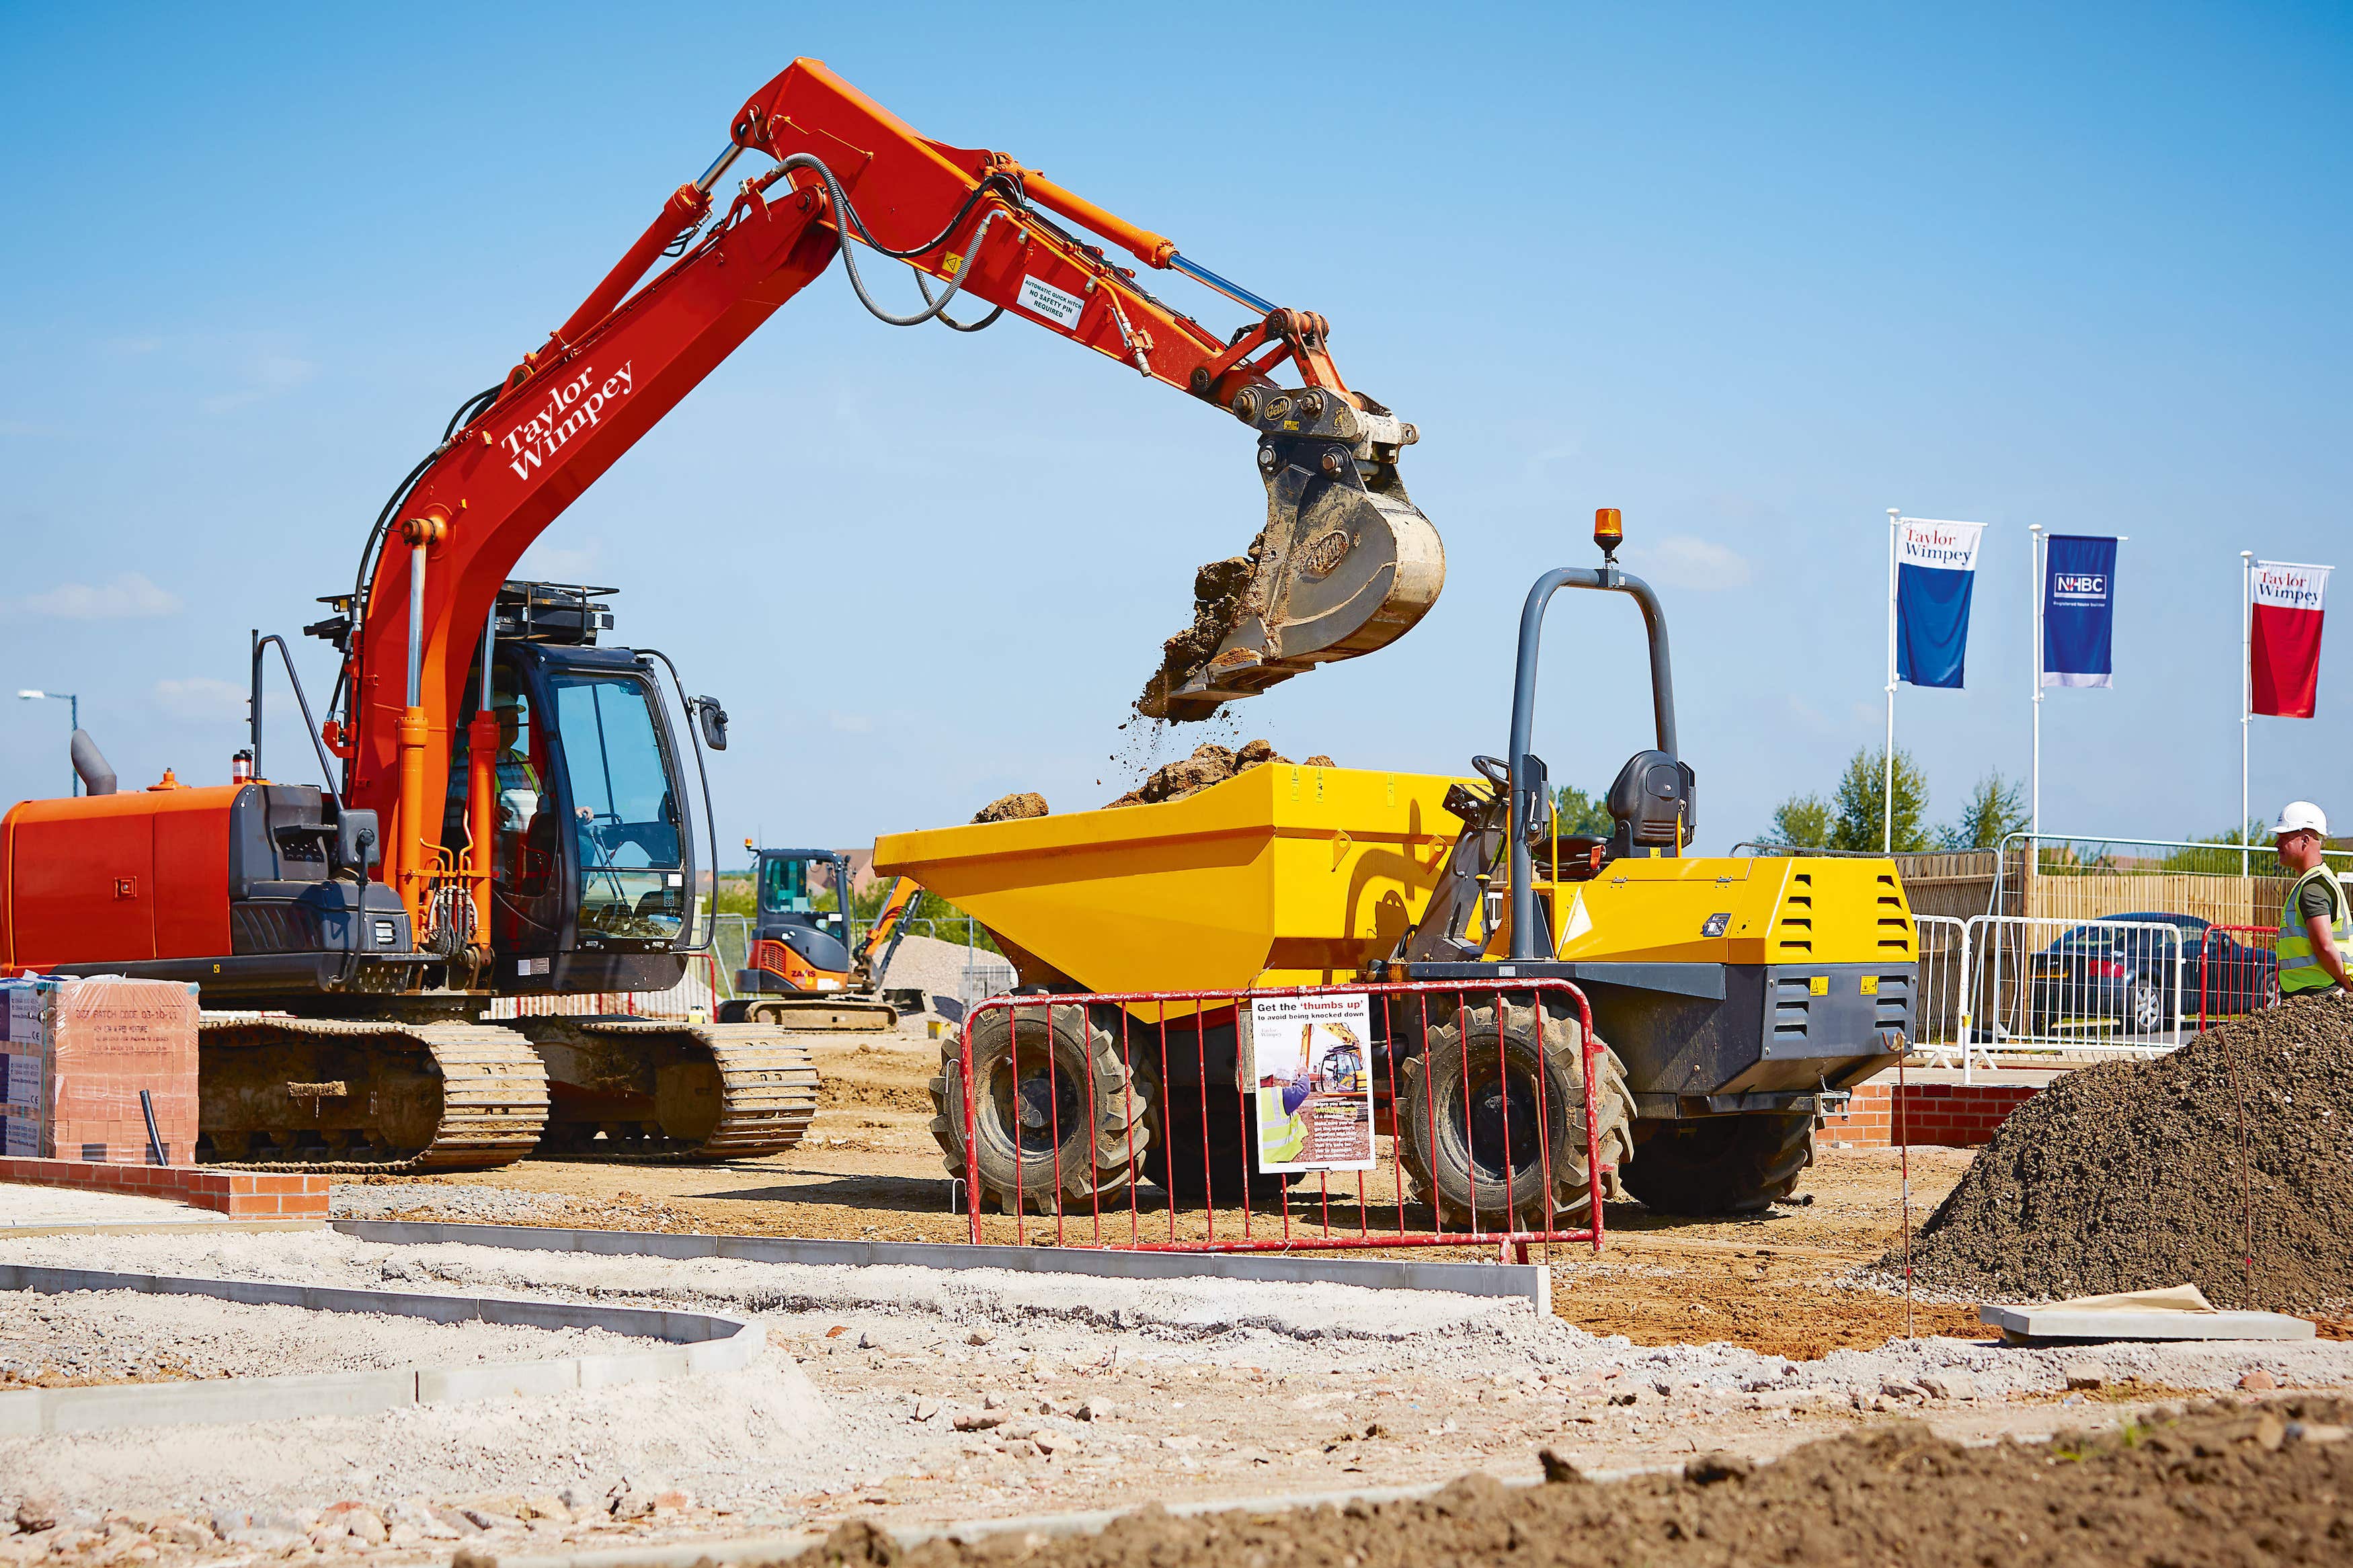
x=130 y=1336
x=934 y=967
x=453 y=1201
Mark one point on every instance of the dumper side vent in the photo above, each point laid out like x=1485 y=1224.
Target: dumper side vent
x=1895 y=923
x=1793 y=1005
x=1793 y=929
x=1891 y=1009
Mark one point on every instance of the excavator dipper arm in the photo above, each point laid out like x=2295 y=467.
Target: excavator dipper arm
x=1344 y=565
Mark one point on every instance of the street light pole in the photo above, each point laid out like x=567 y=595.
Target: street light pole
x=73 y=710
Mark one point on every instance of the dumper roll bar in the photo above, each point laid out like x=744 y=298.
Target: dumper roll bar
x=1608 y=578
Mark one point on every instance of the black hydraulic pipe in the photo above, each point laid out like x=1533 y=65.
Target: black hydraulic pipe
x=1608 y=578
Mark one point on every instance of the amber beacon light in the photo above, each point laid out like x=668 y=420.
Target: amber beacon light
x=1608 y=530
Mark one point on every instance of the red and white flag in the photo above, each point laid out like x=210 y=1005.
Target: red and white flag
x=2284 y=670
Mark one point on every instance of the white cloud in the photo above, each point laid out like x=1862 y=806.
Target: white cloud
x=1681 y=560
x=201 y=697
x=271 y=375
x=548 y=563
x=850 y=723
x=130 y=597
x=1810 y=717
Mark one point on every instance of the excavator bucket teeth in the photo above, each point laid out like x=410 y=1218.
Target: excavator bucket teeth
x=1345 y=565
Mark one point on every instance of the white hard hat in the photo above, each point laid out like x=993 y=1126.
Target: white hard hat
x=2301 y=817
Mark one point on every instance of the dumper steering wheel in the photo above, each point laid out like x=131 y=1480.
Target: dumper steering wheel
x=1495 y=770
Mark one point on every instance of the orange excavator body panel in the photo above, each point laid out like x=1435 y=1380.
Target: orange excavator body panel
x=129 y=876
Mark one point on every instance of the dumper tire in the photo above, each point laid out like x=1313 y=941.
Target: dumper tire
x=1174 y=1162
x=1456 y=1163
x=1087 y=1096
x=1722 y=1164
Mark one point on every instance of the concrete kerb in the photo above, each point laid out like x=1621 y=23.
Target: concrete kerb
x=704 y=1343
x=1530 y=1283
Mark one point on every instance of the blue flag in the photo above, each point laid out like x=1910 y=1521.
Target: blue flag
x=1936 y=566
x=2079 y=611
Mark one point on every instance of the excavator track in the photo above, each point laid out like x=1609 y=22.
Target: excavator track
x=665 y=1092
x=822 y=1015
x=347 y=1095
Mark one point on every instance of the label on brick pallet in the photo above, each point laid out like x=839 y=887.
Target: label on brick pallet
x=22 y=1139
x=1308 y=1066
x=24 y=1086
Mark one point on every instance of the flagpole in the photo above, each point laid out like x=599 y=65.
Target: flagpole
x=1887 y=795
x=2034 y=622
x=2246 y=694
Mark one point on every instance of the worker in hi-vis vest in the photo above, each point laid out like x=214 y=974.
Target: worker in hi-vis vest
x=2316 y=929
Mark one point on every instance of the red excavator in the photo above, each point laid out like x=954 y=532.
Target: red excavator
x=511 y=817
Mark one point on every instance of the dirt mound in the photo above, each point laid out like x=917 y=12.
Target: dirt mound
x=2223 y=1484
x=1208 y=765
x=2127 y=1176
x=1012 y=807
x=1219 y=600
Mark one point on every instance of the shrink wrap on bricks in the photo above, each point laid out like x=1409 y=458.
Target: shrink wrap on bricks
x=76 y=1053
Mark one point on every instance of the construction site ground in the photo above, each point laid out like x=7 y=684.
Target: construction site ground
x=916 y=1397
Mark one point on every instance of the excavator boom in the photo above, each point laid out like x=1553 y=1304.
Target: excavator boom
x=1344 y=564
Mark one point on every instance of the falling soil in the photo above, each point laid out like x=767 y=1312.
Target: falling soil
x=2128 y=1175
x=1221 y=599
x=2223 y=1483
x=1012 y=807
x=1209 y=765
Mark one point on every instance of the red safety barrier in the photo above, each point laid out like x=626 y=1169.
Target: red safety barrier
x=2236 y=977
x=1095 y=1056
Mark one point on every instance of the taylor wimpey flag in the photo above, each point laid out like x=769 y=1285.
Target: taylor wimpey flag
x=2078 y=579
x=1936 y=564
x=2284 y=660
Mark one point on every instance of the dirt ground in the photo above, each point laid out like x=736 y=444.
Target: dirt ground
x=1774 y=1283
x=2218 y=1485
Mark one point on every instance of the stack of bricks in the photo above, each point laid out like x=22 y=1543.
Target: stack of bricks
x=79 y=1054
x=1957 y=1115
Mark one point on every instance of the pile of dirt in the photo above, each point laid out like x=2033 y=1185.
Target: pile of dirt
x=1220 y=598
x=1012 y=807
x=2221 y=1483
x=2127 y=1176
x=1208 y=765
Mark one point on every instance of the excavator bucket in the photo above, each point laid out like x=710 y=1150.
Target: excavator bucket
x=1345 y=565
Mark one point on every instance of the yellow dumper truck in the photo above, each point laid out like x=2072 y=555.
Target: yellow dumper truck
x=1737 y=995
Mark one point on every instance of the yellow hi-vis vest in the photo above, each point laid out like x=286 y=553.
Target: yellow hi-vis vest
x=2299 y=970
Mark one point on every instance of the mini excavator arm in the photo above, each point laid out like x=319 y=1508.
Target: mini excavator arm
x=872 y=959
x=1344 y=565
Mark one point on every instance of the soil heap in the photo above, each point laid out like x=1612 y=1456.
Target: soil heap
x=1012 y=807
x=2127 y=1176
x=1220 y=601
x=2221 y=1483
x=1208 y=765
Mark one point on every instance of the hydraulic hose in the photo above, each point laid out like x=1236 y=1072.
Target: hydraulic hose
x=850 y=221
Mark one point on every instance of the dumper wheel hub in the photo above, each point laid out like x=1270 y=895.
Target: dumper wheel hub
x=1044 y=1101
x=1506 y=1135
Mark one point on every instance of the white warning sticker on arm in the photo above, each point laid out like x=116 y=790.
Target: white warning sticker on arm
x=1045 y=299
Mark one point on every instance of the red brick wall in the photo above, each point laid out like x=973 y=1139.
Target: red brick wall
x=239 y=1194
x=1960 y=1115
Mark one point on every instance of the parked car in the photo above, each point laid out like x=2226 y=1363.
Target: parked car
x=2120 y=968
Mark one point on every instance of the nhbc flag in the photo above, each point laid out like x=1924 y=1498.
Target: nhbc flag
x=2079 y=578
x=2283 y=676
x=1935 y=566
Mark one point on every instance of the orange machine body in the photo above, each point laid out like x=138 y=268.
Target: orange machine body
x=116 y=878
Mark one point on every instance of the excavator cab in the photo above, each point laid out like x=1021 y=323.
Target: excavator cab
x=593 y=853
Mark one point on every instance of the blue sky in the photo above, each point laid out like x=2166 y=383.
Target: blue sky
x=1752 y=275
